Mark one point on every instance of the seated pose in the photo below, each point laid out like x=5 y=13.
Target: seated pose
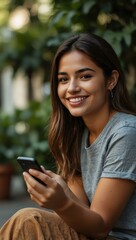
x=92 y=136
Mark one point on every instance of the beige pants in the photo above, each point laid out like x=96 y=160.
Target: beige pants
x=36 y=224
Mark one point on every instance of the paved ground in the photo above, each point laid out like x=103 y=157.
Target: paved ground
x=19 y=199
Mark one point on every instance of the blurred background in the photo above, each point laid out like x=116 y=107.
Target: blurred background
x=30 y=32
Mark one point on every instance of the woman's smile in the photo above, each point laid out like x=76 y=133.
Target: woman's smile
x=76 y=100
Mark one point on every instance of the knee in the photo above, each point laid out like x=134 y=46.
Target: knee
x=33 y=216
x=25 y=213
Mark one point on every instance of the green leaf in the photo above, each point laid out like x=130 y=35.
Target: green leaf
x=127 y=33
x=127 y=38
x=69 y=17
x=58 y=17
x=114 y=38
x=88 y=5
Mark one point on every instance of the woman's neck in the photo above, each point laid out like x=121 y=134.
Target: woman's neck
x=96 y=123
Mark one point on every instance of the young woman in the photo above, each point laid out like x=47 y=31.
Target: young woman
x=93 y=139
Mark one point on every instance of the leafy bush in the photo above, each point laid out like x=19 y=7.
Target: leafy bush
x=25 y=133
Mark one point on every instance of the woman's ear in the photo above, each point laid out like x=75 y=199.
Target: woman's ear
x=112 y=81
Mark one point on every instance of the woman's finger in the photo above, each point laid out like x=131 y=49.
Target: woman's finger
x=43 y=168
x=39 y=187
x=43 y=177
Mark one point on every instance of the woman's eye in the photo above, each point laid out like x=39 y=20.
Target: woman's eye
x=86 y=76
x=62 y=79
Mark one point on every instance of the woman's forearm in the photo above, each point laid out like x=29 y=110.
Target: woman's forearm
x=82 y=219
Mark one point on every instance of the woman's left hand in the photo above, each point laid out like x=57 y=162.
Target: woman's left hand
x=54 y=195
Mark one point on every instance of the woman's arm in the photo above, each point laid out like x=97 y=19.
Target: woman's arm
x=76 y=186
x=109 y=201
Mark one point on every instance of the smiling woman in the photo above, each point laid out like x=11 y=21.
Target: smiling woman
x=81 y=85
x=92 y=137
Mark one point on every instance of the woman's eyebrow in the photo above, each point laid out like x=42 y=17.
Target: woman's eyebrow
x=85 y=69
x=62 y=73
x=78 y=71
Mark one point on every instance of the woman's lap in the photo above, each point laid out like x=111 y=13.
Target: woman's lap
x=36 y=224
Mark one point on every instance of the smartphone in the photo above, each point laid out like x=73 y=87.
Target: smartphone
x=28 y=162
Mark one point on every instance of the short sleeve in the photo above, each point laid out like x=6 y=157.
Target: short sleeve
x=120 y=160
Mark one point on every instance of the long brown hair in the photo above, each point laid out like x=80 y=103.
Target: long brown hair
x=66 y=131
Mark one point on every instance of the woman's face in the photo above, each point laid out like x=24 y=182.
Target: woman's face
x=81 y=85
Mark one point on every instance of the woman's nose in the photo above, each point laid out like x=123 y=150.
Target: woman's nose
x=73 y=86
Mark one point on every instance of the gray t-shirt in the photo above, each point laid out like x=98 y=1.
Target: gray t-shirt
x=113 y=155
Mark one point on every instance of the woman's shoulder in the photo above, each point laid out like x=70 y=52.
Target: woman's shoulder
x=123 y=126
x=124 y=120
x=120 y=125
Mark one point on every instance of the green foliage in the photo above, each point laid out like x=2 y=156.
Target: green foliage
x=113 y=20
x=25 y=133
x=27 y=51
x=37 y=42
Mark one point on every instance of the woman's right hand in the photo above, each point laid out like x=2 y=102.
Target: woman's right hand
x=55 y=195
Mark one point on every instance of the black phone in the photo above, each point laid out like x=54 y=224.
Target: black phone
x=30 y=163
